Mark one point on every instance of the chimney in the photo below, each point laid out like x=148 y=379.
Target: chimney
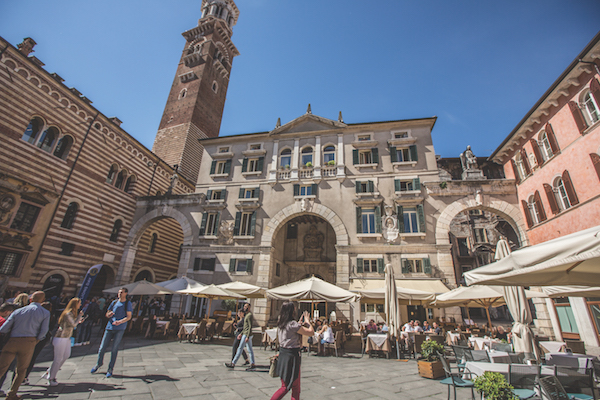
x=26 y=48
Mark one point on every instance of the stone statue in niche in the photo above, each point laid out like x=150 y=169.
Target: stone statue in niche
x=468 y=162
x=313 y=244
x=390 y=225
x=226 y=232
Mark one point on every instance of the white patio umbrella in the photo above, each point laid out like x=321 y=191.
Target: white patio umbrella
x=140 y=288
x=392 y=310
x=571 y=291
x=245 y=289
x=183 y=285
x=211 y=292
x=569 y=260
x=518 y=306
x=404 y=296
x=313 y=289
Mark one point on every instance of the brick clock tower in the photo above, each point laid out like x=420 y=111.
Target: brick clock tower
x=195 y=105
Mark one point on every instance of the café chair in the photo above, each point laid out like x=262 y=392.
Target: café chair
x=507 y=347
x=337 y=343
x=574 y=380
x=576 y=346
x=201 y=330
x=462 y=354
x=523 y=378
x=455 y=380
x=551 y=389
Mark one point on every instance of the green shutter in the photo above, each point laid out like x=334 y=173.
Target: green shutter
x=227 y=168
x=252 y=223
x=296 y=190
x=378 y=219
x=400 y=214
x=416 y=184
x=359 y=220
x=255 y=193
x=393 y=154
x=249 y=265
x=208 y=194
x=375 y=155
x=216 y=225
x=357 y=184
x=261 y=161
x=427 y=266
x=223 y=194
x=413 y=153
x=359 y=266
x=203 y=223
x=397 y=185
x=380 y=266
x=242 y=192
x=314 y=187
x=232 y=265
x=405 y=266
x=245 y=164
x=370 y=186
x=421 y=216
x=354 y=156
x=213 y=167
x=238 y=221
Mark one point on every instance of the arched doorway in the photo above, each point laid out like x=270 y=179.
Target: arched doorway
x=144 y=275
x=104 y=280
x=53 y=286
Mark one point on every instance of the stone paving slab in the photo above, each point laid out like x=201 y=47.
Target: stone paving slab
x=170 y=370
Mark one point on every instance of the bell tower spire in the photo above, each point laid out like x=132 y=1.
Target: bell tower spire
x=195 y=104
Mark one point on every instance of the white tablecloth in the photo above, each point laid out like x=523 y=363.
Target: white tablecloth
x=377 y=338
x=272 y=333
x=554 y=347
x=452 y=338
x=568 y=360
x=479 y=342
x=477 y=368
x=189 y=328
x=501 y=357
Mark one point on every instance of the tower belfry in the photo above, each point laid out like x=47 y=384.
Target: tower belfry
x=195 y=105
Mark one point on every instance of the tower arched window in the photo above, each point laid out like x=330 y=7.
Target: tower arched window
x=545 y=147
x=520 y=166
x=534 y=210
x=307 y=155
x=129 y=184
x=562 y=198
x=112 y=173
x=70 y=215
x=329 y=154
x=48 y=139
x=33 y=130
x=116 y=229
x=63 y=147
x=590 y=108
x=285 y=158
x=120 y=179
x=153 y=242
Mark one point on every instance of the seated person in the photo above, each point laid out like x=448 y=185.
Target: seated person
x=418 y=327
x=384 y=328
x=326 y=334
x=436 y=329
x=426 y=326
x=408 y=327
x=371 y=327
x=501 y=334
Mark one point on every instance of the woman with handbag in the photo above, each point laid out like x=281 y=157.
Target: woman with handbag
x=290 y=334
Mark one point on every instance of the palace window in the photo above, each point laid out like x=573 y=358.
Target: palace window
x=70 y=215
x=562 y=198
x=129 y=184
x=305 y=190
x=120 y=179
x=9 y=262
x=216 y=194
x=63 y=147
x=544 y=144
x=365 y=187
x=369 y=265
x=365 y=156
x=480 y=235
x=363 y=138
x=407 y=185
x=220 y=167
x=412 y=220
x=244 y=223
x=112 y=173
x=307 y=155
x=48 y=139
x=416 y=265
x=285 y=158
x=368 y=220
x=403 y=154
x=66 y=249
x=252 y=164
x=25 y=217
x=328 y=154
x=33 y=130
x=204 y=264
x=520 y=166
x=590 y=108
x=248 y=193
x=210 y=224
x=241 y=265
x=400 y=135
x=116 y=229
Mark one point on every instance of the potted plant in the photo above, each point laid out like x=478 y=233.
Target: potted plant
x=429 y=364
x=331 y=162
x=309 y=165
x=287 y=166
x=493 y=386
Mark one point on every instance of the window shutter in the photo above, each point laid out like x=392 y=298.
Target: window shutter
x=538 y=201
x=232 y=265
x=527 y=213
x=421 y=215
x=203 y=223
x=216 y=225
x=596 y=162
x=515 y=171
x=227 y=168
x=245 y=164
x=569 y=188
x=242 y=193
x=595 y=90
x=359 y=220
x=375 y=155
x=427 y=266
x=406 y=266
x=551 y=199
x=197 y=262
x=551 y=138
x=393 y=154
x=212 y=264
x=397 y=185
x=296 y=190
x=255 y=192
x=525 y=162
x=416 y=184
x=249 y=265
x=400 y=214
x=536 y=152
x=359 y=266
x=314 y=187
x=238 y=221
x=213 y=167
x=413 y=153
x=259 y=166
x=577 y=116
x=354 y=156
x=380 y=266
x=357 y=185
x=252 y=223
x=370 y=186
x=378 y=219
x=209 y=194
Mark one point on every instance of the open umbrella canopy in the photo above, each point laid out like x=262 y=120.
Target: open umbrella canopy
x=571 y=291
x=245 y=289
x=404 y=296
x=215 y=292
x=140 y=288
x=477 y=296
x=183 y=285
x=313 y=289
x=569 y=260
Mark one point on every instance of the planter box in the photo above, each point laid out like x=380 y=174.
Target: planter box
x=431 y=369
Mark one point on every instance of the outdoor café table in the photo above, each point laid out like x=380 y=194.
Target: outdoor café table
x=452 y=338
x=480 y=343
x=378 y=341
x=553 y=347
x=159 y=324
x=477 y=368
x=227 y=328
x=569 y=360
x=269 y=337
x=186 y=330
x=499 y=357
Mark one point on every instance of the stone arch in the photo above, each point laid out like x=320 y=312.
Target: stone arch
x=503 y=209
x=289 y=212
x=56 y=272
x=140 y=226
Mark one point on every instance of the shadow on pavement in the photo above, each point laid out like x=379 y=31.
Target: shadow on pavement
x=148 y=378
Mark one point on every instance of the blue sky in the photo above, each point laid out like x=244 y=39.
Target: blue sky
x=478 y=66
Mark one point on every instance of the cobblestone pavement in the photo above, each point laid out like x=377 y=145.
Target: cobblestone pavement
x=159 y=369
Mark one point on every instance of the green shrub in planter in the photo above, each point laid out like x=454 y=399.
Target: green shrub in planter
x=430 y=350
x=331 y=162
x=309 y=164
x=493 y=386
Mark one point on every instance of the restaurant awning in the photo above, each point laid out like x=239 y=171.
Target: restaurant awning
x=435 y=286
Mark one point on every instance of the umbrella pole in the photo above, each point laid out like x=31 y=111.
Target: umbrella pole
x=468 y=315
x=487 y=311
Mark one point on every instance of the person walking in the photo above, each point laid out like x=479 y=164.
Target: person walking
x=238 y=328
x=26 y=327
x=67 y=321
x=42 y=343
x=119 y=312
x=245 y=339
x=289 y=332
x=5 y=310
x=91 y=313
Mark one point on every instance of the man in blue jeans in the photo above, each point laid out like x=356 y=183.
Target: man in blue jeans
x=119 y=312
x=245 y=339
